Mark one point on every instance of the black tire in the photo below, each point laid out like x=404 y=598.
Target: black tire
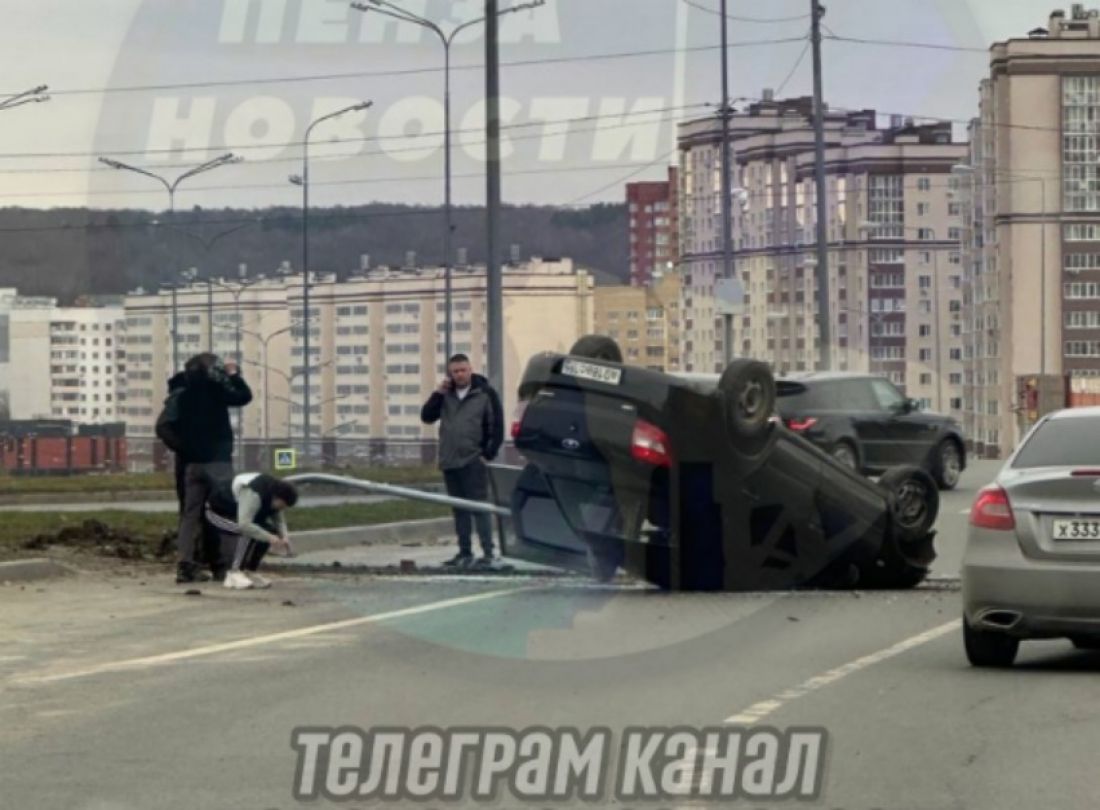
x=905 y=557
x=892 y=570
x=989 y=649
x=845 y=454
x=748 y=398
x=604 y=558
x=915 y=502
x=947 y=464
x=597 y=347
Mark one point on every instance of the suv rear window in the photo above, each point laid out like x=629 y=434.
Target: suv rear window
x=793 y=396
x=1071 y=442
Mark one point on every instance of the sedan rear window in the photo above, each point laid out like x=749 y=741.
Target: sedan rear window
x=1071 y=442
x=830 y=395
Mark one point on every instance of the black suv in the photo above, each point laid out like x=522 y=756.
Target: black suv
x=867 y=424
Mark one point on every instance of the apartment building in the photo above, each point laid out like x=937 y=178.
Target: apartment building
x=645 y=321
x=60 y=362
x=893 y=232
x=376 y=344
x=653 y=208
x=1032 y=248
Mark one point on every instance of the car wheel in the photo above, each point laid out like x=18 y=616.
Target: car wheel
x=597 y=347
x=989 y=649
x=948 y=464
x=915 y=500
x=604 y=558
x=844 y=454
x=748 y=398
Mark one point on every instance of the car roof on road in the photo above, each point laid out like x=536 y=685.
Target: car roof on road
x=1076 y=413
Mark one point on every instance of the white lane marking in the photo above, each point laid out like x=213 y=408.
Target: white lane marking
x=757 y=711
x=257 y=641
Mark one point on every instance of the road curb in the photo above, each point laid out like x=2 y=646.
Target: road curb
x=380 y=534
x=32 y=570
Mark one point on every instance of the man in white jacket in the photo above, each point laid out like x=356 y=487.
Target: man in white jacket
x=249 y=513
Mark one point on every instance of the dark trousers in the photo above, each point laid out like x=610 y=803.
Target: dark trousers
x=198 y=482
x=472 y=483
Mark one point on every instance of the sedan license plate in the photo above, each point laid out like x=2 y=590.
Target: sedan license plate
x=1084 y=529
x=591 y=371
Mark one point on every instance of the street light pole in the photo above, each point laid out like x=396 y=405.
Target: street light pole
x=727 y=182
x=171 y=186
x=824 y=325
x=304 y=182
x=388 y=9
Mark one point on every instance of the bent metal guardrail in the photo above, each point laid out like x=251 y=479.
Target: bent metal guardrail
x=400 y=492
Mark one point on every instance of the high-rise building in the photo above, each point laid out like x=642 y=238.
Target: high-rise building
x=376 y=346
x=654 y=227
x=60 y=362
x=1032 y=246
x=644 y=321
x=893 y=245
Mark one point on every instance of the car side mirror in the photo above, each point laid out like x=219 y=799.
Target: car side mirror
x=911 y=406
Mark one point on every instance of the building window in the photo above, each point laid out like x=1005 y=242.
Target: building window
x=924 y=184
x=886 y=198
x=1080 y=148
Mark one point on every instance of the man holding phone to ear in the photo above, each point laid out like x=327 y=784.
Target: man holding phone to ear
x=471 y=432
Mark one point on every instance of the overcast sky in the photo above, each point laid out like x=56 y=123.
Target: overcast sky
x=260 y=62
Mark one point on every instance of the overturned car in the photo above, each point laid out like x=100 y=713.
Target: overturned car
x=691 y=482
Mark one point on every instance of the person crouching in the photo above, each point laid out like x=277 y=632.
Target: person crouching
x=249 y=513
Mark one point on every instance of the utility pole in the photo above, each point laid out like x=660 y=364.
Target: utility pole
x=493 y=279
x=727 y=216
x=817 y=11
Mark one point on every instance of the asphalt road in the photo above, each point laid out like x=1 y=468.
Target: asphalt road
x=119 y=692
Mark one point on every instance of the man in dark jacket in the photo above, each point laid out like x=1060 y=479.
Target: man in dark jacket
x=206 y=437
x=471 y=432
x=211 y=539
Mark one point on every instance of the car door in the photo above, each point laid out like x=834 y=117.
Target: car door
x=869 y=421
x=903 y=429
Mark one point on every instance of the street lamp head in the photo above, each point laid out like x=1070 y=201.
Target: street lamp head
x=296 y=179
x=362 y=105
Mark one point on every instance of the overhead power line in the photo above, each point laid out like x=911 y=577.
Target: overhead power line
x=379 y=74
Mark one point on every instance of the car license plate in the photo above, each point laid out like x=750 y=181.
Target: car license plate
x=591 y=371
x=1085 y=529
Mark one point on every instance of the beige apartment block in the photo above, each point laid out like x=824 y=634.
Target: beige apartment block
x=1032 y=242
x=644 y=321
x=63 y=362
x=376 y=344
x=893 y=234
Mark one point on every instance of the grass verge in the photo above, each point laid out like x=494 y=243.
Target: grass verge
x=140 y=534
x=146 y=482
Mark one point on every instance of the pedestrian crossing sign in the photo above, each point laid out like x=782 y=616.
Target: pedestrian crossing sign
x=286 y=459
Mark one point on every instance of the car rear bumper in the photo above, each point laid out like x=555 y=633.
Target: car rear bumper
x=1005 y=591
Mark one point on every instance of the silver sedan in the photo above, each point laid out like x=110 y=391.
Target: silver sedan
x=1032 y=563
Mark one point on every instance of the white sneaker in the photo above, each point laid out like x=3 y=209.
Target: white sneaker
x=238 y=581
x=258 y=580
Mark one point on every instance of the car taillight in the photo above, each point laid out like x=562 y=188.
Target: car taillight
x=517 y=417
x=650 y=445
x=1086 y=473
x=992 y=510
x=799 y=425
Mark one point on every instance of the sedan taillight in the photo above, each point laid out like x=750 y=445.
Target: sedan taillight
x=992 y=510
x=799 y=425
x=650 y=445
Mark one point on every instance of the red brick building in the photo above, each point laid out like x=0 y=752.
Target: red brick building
x=654 y=230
